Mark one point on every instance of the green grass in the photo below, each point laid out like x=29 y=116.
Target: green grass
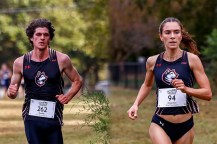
x=12 y=128
x=122 y=129
x=126 y=131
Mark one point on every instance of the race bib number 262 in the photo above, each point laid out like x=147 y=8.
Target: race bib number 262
x=41 y=108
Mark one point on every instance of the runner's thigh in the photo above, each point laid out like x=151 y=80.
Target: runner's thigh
x=158 y=135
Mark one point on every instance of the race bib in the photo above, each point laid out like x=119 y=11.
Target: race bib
x=41 y=108
x=171 y=97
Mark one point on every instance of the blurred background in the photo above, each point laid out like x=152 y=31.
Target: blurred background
x=109 y=41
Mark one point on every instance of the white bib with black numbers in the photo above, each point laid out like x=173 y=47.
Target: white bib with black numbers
x=171 y=97
x=41 y=108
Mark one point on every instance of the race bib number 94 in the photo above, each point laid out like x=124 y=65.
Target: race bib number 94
x=41 y=108
x=171 y=97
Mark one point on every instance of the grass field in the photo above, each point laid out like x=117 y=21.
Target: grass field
x=126 y=131
x=12 y=129
x=122 y=129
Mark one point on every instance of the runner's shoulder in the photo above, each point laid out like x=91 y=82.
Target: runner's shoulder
x=62 y=57
x=152 y=60
x=19 y=61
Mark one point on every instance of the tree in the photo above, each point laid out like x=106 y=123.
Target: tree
x=134 y=24
x=132 y=29
x=210 y=53
x=11 y=39
x=95 y=49
x=80 y=27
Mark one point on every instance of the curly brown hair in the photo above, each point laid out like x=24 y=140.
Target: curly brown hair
x=40 y=22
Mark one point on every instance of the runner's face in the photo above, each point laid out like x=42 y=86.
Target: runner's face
x=41 y=38
x=171 y=35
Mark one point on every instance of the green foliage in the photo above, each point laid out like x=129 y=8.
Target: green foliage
x=69 y=27
x=94 y=13
x=99 y=118
x=81 y=26
x=210 y=53
x=11 y=38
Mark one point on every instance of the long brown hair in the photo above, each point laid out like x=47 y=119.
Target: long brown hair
x=187 y=40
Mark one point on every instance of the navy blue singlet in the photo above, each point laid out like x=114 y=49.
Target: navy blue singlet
x=164 y=72
x=43 y=81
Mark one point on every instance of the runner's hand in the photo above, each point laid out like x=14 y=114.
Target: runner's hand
x=179 y=84
x=12 y=91
x=132 y=112
x=62 y=99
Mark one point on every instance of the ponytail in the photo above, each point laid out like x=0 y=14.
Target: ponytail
x=188 y=42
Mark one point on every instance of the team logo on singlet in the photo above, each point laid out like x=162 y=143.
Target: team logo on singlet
x=40 y=78
x=169 y=75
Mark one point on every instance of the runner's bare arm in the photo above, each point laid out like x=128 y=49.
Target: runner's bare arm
x=145 y=88
x=204 y=91
x=16 y=78
x=70 y=71
x=149 y=80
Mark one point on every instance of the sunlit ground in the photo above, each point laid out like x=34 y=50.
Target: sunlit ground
x=122 y=129
x=126 y=131
x=12 y=128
